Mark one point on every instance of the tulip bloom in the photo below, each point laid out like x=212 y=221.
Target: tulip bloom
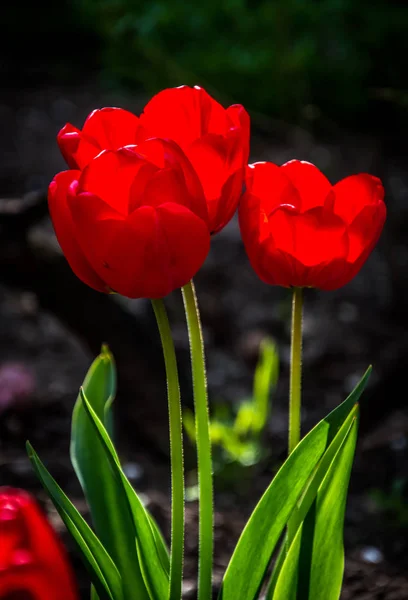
x=133 y=220
x=215 y=140
x=33 y=563
x=299 y=230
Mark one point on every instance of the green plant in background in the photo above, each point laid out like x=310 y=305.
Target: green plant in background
x=276 y=57
x=236 y=437
x=393 y=502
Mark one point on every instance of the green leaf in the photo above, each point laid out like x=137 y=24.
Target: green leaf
x=308 y=498
x=253 y=552
x=313 y=567
x=94 y=594
x=161 y=545
x=266 y=377
x=104 y=493
x=150 y=555
x=102 y=570
x=250 y=560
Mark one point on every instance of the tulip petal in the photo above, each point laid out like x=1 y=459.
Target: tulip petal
x=105 y=129
x=353 y=193
x=314 y=237
x=270 y=184
x=96 y=226
x=76 y=149
x=312 y=185
x=153 y=252
x=240 y=128
x=167 y=154
x=183 y=114
x=222 y=181
x=187 y=239
x=110 y=176
x=112 y=127
x=65 y=231
x=33 y=562
x=365 y=231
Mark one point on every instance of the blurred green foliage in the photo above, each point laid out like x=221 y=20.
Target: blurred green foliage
x=393 y=502
x=278 y=57
x=236 y=434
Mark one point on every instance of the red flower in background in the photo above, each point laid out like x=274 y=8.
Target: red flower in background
x=215 y=140
x=33 y=562
x=299 y=230
x=132 y=220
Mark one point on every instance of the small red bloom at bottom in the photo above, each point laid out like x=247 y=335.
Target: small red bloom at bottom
x=33 y=562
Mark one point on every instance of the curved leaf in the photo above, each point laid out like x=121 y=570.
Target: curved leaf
x=102 y=570
x=313 y=567
x=108 y=504
x=150 y=557
x=250 y=560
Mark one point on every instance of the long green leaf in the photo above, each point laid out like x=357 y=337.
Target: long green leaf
x=162 y=548
x=150 y=557
x=107 y=502
x=323 y=578
x=304 y=504
x=313 y=567
x=102 y=570
x=253 y=552
x=346 y=411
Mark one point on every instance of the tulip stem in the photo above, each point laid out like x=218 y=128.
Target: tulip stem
x=295 y=369
x=204 y=462
x=176 y=452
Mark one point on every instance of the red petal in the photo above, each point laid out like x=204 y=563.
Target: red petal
x=269 y=183
x=36 y=563
x=187 y=241
x=105 y=129
x=184 y=114
x=65 y=231
x=241 y=124
x=353 y=193
x=312 y=185
x=97 y=225
x=110 y=176
x=222 y=211
x=112 y=127
x=167 y=154
x=312 y=238
x=166 y=185
x=76 y=149
x=153 y=252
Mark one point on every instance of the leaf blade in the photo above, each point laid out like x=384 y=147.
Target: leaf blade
x=150 y=557
x=244 y=578
x=101 y=567
x=109 y=510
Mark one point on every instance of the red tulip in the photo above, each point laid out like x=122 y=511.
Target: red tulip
x=133 y=221
x=299 y=230
x=216 y=141
x=33 y=563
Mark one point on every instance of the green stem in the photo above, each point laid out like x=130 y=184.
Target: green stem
x=176 y=452
x=295 y=370
x=205 y=483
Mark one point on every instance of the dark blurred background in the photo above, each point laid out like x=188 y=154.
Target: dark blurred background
x=323 y=80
